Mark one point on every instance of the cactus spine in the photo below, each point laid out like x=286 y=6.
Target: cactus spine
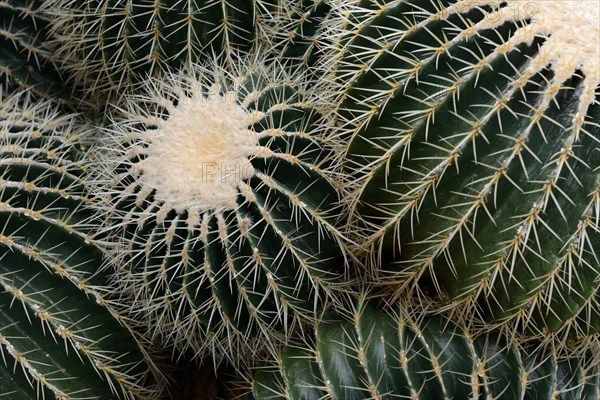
x=59 y=338
x=216 y=186
x=25 y=56
x=474 y=148
x=369 y=355
x=303 y=40
x=112 y=45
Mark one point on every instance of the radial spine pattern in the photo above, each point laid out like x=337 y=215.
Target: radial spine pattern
x=218 y=186
x=474 y=149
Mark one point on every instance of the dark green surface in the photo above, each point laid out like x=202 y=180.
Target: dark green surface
x=25 y=54
x=305 y=37
x=234 y=285
x=459 y=186
x=57 y=335
x=385 y=356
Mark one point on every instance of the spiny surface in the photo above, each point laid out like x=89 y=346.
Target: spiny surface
x=571 y=30
x=475 y=154
x=59 y=338
x=110 y=46
x=303 y=38
x=370 y=355
x=199 y=156
x=26 y=59
x=219 y=195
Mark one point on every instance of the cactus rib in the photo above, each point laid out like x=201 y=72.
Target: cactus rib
x=225 y=216
x=474 y=150
x=110 y=46
x=26 y=60
x=59 y=338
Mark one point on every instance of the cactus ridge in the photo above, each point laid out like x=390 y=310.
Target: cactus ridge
x=474 y=149
x=455 y=145
x=369 y=355
x=26 y=60
x=252 y=247
x=302 y=41
x=59 y=338
x=112 y=45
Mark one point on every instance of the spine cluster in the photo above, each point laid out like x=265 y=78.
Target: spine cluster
x=59 y=336
x=216 y=190
x=26 y=57
x=240 y=173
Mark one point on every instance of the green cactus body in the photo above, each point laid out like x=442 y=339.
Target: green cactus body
x=474 y=148
x=25 y=56
x=303 y=35
x=391 y=356
x=111 y=45
x=223 y=208
x=58 y=337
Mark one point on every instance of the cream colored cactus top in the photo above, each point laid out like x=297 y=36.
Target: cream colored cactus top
x=571 y=29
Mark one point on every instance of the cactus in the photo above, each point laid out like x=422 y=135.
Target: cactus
x=215 y=185
x=25 y=56
x=474 y=150
x=455 y=143
x=303 y=40
x=110 y=45
x=389 y=356
x=59 y=338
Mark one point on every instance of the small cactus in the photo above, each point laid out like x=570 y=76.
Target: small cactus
x=215 y=185
x=370 y=355
x=474 y=146
x=59 y=337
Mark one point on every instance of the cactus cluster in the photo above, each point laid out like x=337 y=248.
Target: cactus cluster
x=59 y=337
x=234 y=175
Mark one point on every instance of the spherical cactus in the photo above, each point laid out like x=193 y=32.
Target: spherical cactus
x=59 y=336
x=26 y=58
x=398 y=356
x=111 y=45
x=216 y=185
x=474 y=149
